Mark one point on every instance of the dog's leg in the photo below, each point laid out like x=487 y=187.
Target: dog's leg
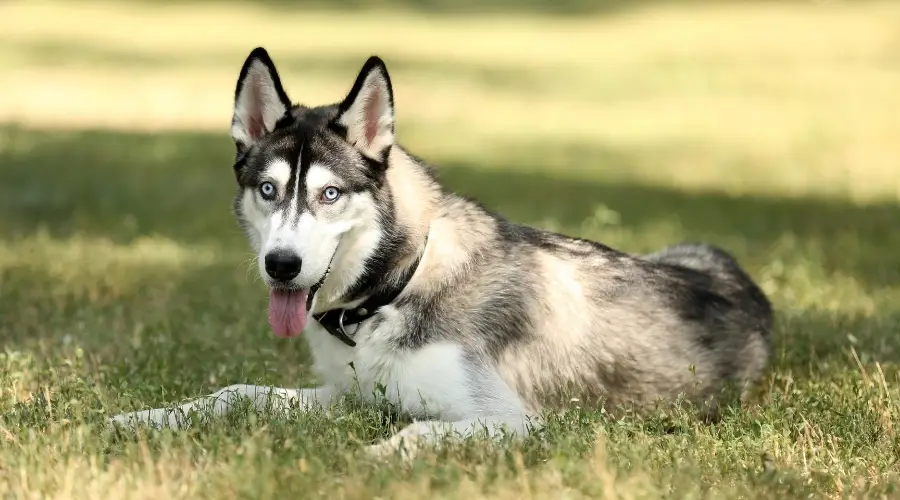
x=221 y=402
x=495 y=409
x=430 y=432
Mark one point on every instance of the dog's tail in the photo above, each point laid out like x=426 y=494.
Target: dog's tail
x=723 y=268
x=697 y=256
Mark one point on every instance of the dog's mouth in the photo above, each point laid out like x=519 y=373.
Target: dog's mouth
x=289 y=308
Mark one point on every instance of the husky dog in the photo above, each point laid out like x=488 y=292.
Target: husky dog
x=464 y=320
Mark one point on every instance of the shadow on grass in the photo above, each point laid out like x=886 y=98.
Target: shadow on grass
x=122 y=186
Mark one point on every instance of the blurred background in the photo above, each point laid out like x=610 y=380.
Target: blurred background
x=769 y=128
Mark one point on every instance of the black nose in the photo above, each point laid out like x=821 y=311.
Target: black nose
x=282 y=265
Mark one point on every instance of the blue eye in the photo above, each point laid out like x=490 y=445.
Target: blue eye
x=267 y=190
x=330 y=194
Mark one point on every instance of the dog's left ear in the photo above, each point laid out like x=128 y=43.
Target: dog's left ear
x=366 y=117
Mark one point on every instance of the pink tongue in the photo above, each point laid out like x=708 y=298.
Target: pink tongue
x=287 y=312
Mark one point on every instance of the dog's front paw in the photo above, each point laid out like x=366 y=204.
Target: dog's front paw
x=157 y=418
x=390 y=448
x=405 y=444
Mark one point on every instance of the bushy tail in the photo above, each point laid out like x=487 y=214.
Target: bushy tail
x=723 y=268
x=697 y=256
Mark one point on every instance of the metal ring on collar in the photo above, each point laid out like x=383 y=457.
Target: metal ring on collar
x=341 y=324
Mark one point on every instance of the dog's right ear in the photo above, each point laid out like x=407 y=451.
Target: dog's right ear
x=365 y=118
x=259 y=100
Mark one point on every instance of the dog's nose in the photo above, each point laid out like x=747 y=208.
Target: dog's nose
x=282 y=265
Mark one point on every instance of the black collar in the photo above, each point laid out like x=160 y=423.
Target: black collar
x=335 y=320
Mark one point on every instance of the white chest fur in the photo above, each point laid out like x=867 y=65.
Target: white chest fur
x=431 y=381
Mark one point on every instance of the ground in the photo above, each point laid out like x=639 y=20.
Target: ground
x=766 y=128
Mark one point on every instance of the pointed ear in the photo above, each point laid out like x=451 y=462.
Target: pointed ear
x=259 y=100
x=366 y=117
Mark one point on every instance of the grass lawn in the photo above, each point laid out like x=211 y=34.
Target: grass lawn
x=768 y=129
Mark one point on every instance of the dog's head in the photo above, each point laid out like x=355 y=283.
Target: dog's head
x=311 y=181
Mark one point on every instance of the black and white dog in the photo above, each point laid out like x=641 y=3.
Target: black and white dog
x=469 y=321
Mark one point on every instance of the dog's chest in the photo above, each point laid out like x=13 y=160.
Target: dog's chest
x=430 y=381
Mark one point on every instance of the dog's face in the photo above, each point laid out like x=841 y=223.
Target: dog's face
x=311 y=181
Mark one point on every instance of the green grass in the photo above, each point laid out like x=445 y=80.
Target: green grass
x=125 y=283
